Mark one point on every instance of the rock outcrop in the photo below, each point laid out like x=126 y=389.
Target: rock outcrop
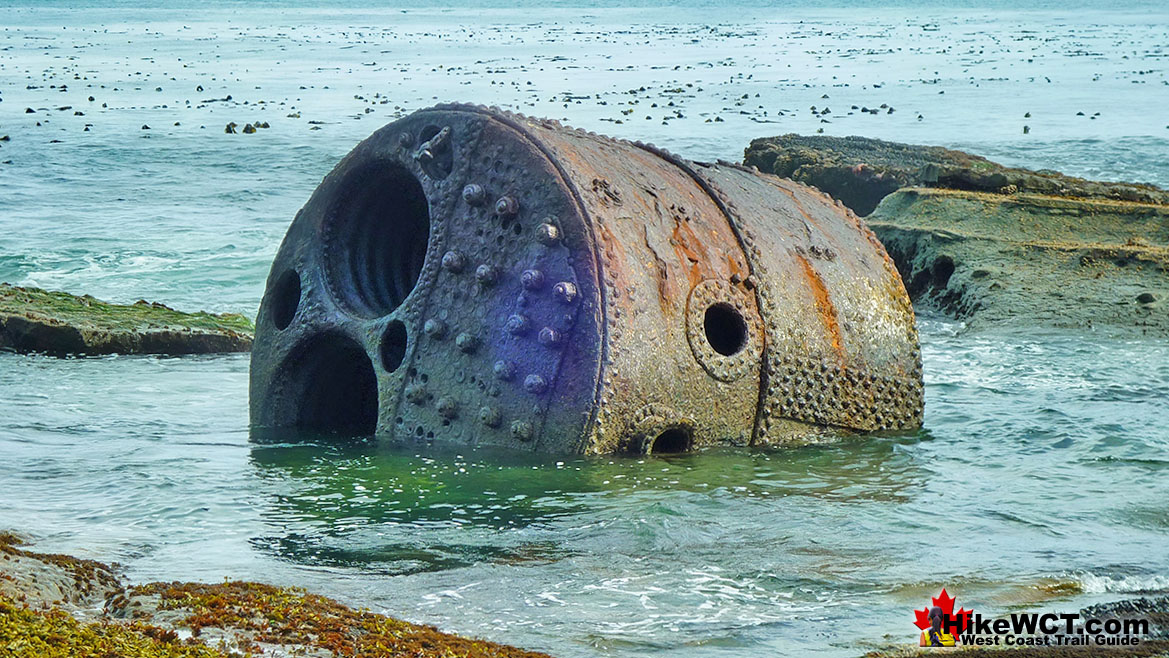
x=994 y=245
x=995 y=259
x=57 y=605
x=861 y=171
x=60 y=324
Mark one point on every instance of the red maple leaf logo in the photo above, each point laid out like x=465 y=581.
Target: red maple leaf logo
x=946 y=603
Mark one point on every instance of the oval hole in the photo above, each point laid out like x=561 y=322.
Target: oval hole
x=380 y=231
x=393 y=347
x=672 y=441
x=333 y=387
x=725 y=329
x=285 y=299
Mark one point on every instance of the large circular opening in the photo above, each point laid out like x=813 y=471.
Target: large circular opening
x=672 y=441
x=725 y=329
x=393 y=347
x=377 y=238
x=285 y=299
x=332 y=387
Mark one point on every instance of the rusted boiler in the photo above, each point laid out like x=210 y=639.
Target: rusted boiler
x=471 y=276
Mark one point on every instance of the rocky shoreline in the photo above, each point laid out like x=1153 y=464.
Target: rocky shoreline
x=58 y=605
x=996 y=246
x=60 y=324
x=860 y=171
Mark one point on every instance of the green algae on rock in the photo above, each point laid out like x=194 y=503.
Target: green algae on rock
x=60 y=324
x=53 y=633
x=995 y=259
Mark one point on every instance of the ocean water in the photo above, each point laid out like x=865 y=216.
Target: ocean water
x=1039 y=481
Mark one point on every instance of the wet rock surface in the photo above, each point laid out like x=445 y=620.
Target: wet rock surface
x=1044 y=261
x=994 y=245
x=57 y=605
x=60 y=324
x=861 y=171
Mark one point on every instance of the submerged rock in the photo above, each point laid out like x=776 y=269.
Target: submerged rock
x=1026 y=258
x=57 y=605
x=861 y=171
x=59 y=324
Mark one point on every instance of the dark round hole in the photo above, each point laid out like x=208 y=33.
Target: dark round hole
x=673 y=440
x=393 y=347
x=379 y=233
x=285 y=299
x=332 y=387
x=726 y=331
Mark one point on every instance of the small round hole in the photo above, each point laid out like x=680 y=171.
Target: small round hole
x=393 y=347
x=671 y=441
x=285 y=299
x=726 y=331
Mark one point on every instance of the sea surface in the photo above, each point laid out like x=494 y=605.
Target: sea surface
x=1040 y=479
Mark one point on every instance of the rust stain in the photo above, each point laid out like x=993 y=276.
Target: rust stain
x=824 y=306
x=690 y=252
x=612 y=246
x=665 y=297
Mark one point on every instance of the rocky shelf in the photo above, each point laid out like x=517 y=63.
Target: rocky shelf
x=60 y=324
x=861 y=171
x=996 y=246
x=58 y=605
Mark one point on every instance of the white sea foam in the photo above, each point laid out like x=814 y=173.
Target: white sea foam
x=1126 y=584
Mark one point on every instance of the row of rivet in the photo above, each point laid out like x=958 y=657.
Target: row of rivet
x=489 y=415
x=532 y=279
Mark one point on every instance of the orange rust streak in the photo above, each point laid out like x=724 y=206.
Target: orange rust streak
x=665 y=296
x=824 y=304
x=691 y=253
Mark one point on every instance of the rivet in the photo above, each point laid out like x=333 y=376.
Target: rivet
x=548 y=233
x=489 y=416
x=504 y=370
x=416 y=393
x=507 y=206
x=447 y=407
x=522 y=430
x=549 y=337
x=532 y=279
x=486 y=274
x=565 y=291
x=535 y=384
x=454 y=261
x=434 y=328
x=517 y=325
x=474 y=194
x=466 y=342
x=405 y=139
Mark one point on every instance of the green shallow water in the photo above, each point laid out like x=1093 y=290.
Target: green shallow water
x=1039 y=481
